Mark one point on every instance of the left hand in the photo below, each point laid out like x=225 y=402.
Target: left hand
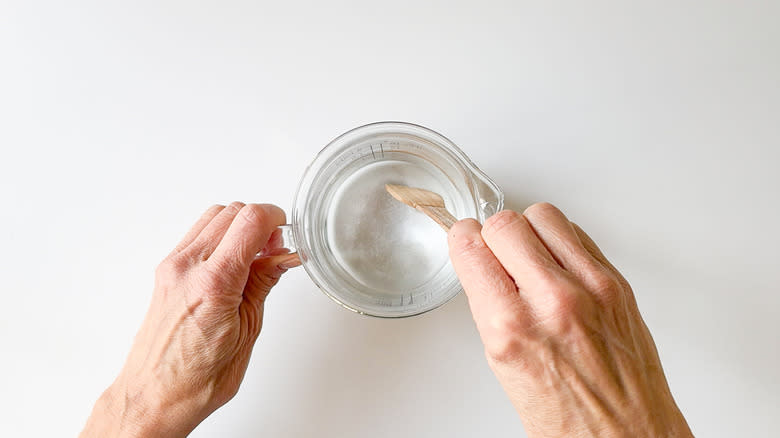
x=193 y=348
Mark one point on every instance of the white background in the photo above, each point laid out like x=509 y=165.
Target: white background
x=656 y=126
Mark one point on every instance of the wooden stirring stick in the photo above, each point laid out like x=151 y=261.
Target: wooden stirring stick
x=426 y=201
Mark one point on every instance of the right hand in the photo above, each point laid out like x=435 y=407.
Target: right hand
x=561 y=328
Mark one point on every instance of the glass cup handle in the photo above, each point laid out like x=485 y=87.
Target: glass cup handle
x=288 y=241
x=288 y=259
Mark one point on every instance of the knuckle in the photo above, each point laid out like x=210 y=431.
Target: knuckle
x=500 y=220
x=505 y=343
x=171 y=267
x=221 y=268
x=541 y=209
x=254 y=214
x=559 y=308
x=503 y=349
x=605 y=287
x=235 y=206
x=162 y=270
x=215 y=208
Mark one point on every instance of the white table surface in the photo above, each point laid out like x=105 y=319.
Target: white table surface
x=655 y=126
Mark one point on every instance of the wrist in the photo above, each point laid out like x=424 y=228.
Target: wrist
x=128 y=410
x=114 y=415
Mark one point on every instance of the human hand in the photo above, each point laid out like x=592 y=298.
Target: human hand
x=193 y=348
x=561 y=328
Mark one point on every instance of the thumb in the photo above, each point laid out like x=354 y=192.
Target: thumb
x=264 y=273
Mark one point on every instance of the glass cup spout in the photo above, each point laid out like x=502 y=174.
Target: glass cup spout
x=488 y=194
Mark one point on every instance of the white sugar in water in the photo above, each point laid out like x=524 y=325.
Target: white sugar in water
x=384 y=244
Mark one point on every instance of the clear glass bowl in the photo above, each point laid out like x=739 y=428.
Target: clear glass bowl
x=369 y=252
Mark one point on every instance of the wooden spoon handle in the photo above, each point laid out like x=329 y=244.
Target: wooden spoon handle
x=440 y=215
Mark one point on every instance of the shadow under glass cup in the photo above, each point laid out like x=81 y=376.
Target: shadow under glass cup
x=364 y=249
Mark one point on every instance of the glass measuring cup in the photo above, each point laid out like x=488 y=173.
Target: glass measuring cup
x=367 y=251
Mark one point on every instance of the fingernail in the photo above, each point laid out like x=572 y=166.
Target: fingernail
x=290 y=262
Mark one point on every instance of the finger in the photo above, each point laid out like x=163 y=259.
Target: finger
x=286 y=261
x=499 y=312
x=558 y=236
x=208 y=239
x=264 y=273
x=198 y=227
x=488 y=286
x=591 y=246
x=594 y=250
x=518 y=249
x=274 y=245
x=247 y=235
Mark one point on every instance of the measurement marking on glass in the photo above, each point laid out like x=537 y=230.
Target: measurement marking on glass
x=372 y=151
x=381 y=150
